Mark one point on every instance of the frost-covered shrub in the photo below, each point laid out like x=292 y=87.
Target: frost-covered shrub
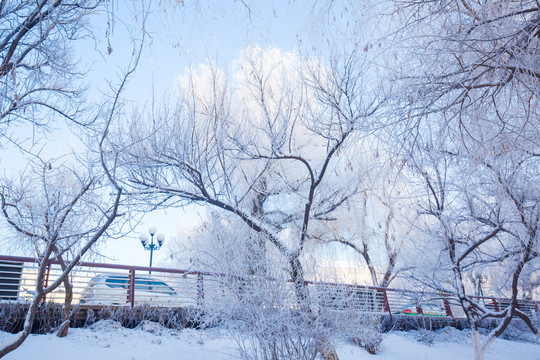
x=292 y=334
x=359 y=327
x=47 y=319
x=368 y=337
x=12 y=316
x=453 y=335
x=267 y=324
x=517 y=331
x=267 y=315
x=282 y=335
x=424 y=336
x=132 y=317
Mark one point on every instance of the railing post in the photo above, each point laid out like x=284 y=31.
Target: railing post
x=386 y=303
x=447 y=308
x=131 y=288
x=200 y=290
x=46 y=282
x=495 y=304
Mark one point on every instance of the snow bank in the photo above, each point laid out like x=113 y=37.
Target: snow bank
x=106 y=339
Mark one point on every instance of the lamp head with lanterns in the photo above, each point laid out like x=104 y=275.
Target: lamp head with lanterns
x=150 y=245
x=148 y=241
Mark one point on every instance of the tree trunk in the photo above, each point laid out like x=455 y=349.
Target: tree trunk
x=479 y=350
x=66 y=309
x=21 y=336
x=328 y=352
x=300 y=288
x=326 y=348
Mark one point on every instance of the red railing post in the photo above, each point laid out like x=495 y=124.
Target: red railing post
x=46 y=282
x=447 y=308
x=495 y=304
x=386 y=303
x=200 y=290
x=131 y=288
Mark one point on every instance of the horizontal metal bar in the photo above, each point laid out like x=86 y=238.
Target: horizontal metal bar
x=190 y=285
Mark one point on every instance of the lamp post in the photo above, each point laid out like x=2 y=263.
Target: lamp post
x=481 y=279
x=150 y=245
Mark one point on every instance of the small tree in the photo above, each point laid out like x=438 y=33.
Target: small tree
x=62 y=211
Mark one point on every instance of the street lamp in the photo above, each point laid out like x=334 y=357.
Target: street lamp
x=480 y=279
x=151 y=245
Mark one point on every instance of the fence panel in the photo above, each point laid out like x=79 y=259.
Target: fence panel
x=119 y=285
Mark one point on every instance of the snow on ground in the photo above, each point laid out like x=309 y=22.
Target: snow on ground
x=106 y=339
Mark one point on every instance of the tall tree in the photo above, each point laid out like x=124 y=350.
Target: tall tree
x=62 y=210
x=277 y=135
x=375 y=224
x=473 y=94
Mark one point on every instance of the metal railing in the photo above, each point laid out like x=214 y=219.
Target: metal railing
x=97 y=285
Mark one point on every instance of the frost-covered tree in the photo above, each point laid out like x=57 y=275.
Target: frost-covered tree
x=38 y=69
x=473 y=90
x=376 y=224
x=265 y=146
x=61 y=210
x=477 y=220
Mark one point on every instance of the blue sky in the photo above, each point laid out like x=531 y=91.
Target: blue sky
x=187 y=35
x=177 y=37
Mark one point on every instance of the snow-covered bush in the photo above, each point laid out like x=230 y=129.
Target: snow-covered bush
x=47 y=317
x=133 y=317
x=268 y=323
x=283 y=335
x=517 y=331
x=265 y=312
x=424 y=336
x=265 y=321
x=363 y=329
